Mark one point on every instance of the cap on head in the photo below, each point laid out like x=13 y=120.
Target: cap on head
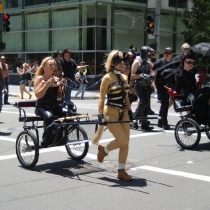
x=2 y=57
x=56 y=53
x=169 y=49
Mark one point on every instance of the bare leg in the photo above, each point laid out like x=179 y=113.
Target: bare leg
x=22 y=86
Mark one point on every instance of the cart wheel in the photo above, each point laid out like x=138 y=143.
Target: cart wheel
x=27 y=149
x=207 y=131
x=187 y=133
x=78 y=150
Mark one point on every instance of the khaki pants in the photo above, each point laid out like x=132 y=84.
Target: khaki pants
x=120 y=131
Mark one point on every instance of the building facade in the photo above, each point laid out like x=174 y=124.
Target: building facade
x=90 y=28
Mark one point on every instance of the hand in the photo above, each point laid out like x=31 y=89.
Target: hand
x=130 y=113
x=197 y=85
x=201 y=77
x=50 y=82
x=100 y=117
x=5 y=91
x=172 y=92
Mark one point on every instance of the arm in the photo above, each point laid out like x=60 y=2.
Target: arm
x=102 y=94
x=134 y=69
x=20 y=71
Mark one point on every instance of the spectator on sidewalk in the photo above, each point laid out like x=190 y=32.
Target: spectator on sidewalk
x=5 y=69
x=81 y=79
x=2 y=86
x=29 y=79
x=58 y=72
x=23 y=75
x=69 y=67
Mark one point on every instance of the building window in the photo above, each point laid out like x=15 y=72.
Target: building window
x=37 y=41
x=178 y=3
x=65 y=38
x=37 y=20
x=36 y=2
x=68 y=17
x=13 y=42
x=123 y=38
x=125 y=17
x=12 y=4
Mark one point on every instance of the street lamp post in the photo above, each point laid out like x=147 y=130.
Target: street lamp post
x=157 y=28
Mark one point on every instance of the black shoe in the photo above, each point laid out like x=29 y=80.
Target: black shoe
x=150 y=112
x=159 y=124
x=7 y=103
x=146 y=128
x=135 y=125
x=166 y=127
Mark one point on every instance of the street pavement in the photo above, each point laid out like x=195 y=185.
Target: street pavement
x=165 y=176
x=14 y=92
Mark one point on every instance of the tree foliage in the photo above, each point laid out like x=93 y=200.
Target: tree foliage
x=197 y=27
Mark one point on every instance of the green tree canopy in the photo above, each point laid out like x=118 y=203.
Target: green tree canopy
x=197 y=23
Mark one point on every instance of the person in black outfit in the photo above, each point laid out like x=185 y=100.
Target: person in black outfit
x=48 y=89
x=161 y=90
x=141 y=72
x=186 y=84
x=69 y=67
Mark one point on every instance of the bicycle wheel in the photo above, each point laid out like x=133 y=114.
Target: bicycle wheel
x=187 y=133
x=27 y=149
x=207 y=131
x=77 y=150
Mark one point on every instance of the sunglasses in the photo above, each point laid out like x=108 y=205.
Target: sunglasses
x=167 y=53
x=190 y=63
x=3 y=59
x=185 y=48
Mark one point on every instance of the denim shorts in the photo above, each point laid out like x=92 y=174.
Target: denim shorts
x=24 y=81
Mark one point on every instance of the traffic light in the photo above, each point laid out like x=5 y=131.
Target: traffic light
x=150 y=25
x=6 y=23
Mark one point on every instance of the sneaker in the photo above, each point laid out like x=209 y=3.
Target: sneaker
x=166 y=127
x=135 y=125
x=150 y=112
x=7 y=103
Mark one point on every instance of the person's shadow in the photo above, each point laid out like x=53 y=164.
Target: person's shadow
x=5 y=133
x=76 y=169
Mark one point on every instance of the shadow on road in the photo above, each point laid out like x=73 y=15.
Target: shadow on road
x=5 y=133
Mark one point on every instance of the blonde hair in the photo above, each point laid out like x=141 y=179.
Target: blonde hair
x=111 y=55
x=40 y=70
x=25 y=66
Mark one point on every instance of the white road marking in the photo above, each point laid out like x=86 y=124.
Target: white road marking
x=175 y=173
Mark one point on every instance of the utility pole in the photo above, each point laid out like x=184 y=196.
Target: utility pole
x=157 y=28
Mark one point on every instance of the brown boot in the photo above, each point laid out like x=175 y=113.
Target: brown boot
x=123 y=175
x=101 y=154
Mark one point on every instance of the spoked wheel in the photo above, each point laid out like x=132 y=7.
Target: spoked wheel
x=77 y=147
x=207 y=131
x=187 y=133
x=27 y=149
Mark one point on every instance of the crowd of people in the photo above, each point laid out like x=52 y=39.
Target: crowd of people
x=127 y=79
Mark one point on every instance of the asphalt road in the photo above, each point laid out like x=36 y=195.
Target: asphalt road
x=165 y=176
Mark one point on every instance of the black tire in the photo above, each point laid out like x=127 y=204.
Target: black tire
x=27 y=149
x=77 y=151
x=187 y=133
x=207 y=132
